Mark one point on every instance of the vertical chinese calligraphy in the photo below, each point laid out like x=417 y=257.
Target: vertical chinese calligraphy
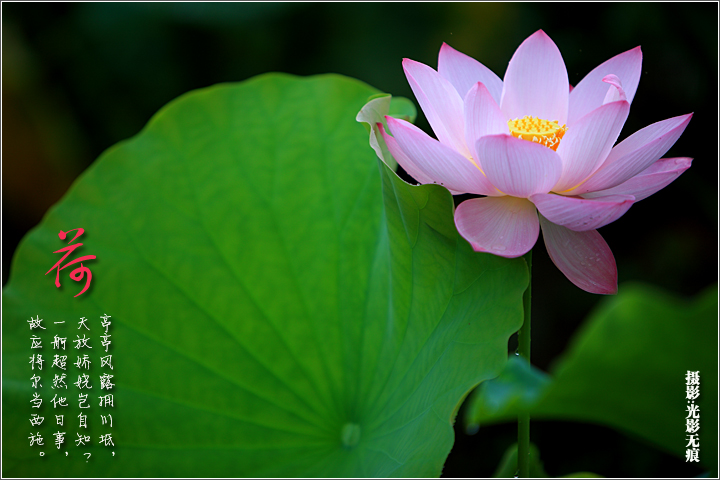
x=59 y=378
x=80 y=272
x=692 y=420
x=106 y=400
x=36 y=360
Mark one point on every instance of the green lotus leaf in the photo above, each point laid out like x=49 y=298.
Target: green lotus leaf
x=282 y=304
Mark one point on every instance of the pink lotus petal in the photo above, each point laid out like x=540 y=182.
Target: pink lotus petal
x=518 y=167
x=579 y=214
x=536 y=81
x=406 y=162
x=505 y=226
x=616 y=91
x=440 y=163
x=635 y=154
x=590 y=92
x=403 y=160
x=482 y=116
x=583 y=257
x=440 y=103
x=586 y=145
x=464 y=72
x=653 y=179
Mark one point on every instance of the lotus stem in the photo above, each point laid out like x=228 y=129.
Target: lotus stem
x=524 y=352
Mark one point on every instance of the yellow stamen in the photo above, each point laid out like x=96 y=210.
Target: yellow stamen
x=537 y=130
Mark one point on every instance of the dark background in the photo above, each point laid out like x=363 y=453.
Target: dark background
x=77 y=78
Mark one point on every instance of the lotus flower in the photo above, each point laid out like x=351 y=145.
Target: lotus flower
x=530 y=143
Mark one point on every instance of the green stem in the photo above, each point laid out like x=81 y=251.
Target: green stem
x=524 y=351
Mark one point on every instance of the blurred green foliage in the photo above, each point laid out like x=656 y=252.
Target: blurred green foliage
x=79 y=77
x=508 y=467
x=625 y=369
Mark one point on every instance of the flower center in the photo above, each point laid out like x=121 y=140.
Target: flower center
x=537 y=130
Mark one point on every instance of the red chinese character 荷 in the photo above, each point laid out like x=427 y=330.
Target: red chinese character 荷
x=80 y=272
